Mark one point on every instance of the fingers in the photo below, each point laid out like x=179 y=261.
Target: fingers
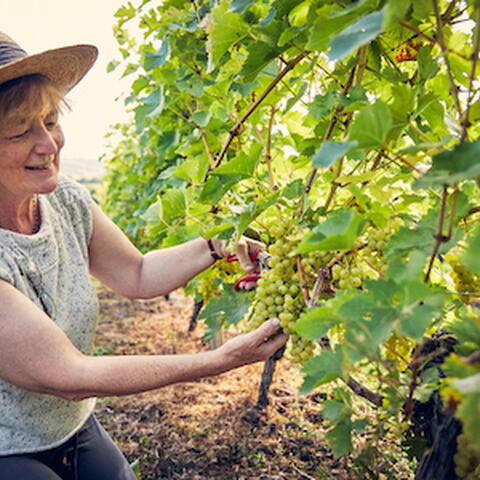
x=243 y=256
x=245 y=285
x=245 y=248
x=268 y=329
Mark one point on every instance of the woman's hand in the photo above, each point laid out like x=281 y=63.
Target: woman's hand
x=245 y=247
x=255 y=346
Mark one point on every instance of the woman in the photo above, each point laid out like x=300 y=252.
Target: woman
x=52 y=238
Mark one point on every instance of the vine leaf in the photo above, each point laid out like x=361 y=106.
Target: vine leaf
x=239 y=6
x=316 y=322
x=330 y=152
x=227 y=309
x=321 y=369
x=158 y=58
x=171 y=206
x=354 y=36
x=427 y=66
x=225 y=28
x=419 y=305
x=453 y=166
x=472 y=257
x=338 y=232
x=243 y=165
x=371 y=125
x=339 y=438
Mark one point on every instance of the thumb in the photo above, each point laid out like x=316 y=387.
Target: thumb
x=267 y=329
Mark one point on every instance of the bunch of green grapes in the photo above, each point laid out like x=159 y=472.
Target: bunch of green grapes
x=467 y=461
x=376 y=240
x=349 y=272
x=465 y=281
x=279 y=294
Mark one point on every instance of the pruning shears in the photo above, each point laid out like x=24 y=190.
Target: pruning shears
x=260 y=256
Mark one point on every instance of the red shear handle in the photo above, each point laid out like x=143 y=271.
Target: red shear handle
x=253 y=256
x=246 y=278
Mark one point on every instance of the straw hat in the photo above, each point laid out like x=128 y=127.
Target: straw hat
x=65 y=66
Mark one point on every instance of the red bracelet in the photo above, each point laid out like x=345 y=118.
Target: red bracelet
x=213 y=253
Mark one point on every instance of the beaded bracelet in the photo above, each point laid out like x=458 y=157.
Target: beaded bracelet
x=213 y=253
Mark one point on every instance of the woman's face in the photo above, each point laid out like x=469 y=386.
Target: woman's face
x=30 y=156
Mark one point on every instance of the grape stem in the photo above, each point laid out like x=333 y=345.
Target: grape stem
x=303 y=282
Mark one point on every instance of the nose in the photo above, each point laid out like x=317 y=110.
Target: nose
x=45 y=141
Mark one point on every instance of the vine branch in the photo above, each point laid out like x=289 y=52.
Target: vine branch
x=439 y=237
x=234 y=132
x=268 y=150
x=465 y=122
x=443 y=47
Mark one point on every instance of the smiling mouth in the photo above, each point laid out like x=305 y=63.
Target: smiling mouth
x=39 y=167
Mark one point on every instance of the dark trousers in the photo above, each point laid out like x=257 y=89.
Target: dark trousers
x=89 y=455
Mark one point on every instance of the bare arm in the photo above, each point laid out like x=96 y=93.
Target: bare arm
x=115 y=261
x=32 y=348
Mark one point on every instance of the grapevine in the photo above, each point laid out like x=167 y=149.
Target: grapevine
x=344 y=135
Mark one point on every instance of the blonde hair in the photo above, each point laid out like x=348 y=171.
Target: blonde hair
x=29 y=97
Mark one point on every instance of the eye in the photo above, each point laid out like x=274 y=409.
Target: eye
x=19 y=135
x=51 y=121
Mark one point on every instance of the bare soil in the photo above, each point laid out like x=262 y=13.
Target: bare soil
x=209 y=429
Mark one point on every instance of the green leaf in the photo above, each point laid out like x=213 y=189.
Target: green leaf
x=427 y=66
x=369 y=320
x=395 y=12
x=330 y=152
x=174 y=205
x=228 y=309
x=361 y=32
x=466 y=328
x=216 y=187
x=338 y=232
x=159 y=58
x=334 y=410
x=316 y=322
x=419 y=306
x=260 y=55
x=239 y=6
x=321 y=369
x=472 y=256
x=243 y=165
x=224 y=30
x=294 y=189
x=451 y=167
x=371 y=125
x=322 y=104
x=150 y=106
x=201 y=118
x=339 y=438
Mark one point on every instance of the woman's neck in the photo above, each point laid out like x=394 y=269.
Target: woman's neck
x=21 y=217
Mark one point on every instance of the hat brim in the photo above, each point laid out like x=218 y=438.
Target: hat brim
x=64 y=67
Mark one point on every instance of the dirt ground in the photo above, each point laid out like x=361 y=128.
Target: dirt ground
x=208 y=429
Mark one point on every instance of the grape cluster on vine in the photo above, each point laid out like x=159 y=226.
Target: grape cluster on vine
x=467 y=460
x=465 y=281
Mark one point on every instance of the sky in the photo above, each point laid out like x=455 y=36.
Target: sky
x=38 y=25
